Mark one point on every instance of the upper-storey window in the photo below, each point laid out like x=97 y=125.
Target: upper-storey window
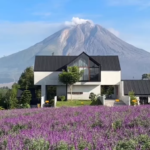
x=90 y=68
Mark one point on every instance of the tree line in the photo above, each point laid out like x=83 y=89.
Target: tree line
x=8 y=97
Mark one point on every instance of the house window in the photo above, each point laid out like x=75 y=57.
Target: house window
x=76 y=93
x=91 y=70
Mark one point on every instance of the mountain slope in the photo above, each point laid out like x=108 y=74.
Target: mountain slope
x=93 y=39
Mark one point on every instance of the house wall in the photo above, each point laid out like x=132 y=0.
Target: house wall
x=46 y=78
x=96 y=89
x=61 y=90
x=51 y=78
x=125 y=99
x=120 y=89
x=110 y=77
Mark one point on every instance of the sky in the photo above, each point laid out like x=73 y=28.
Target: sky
x=25 y=23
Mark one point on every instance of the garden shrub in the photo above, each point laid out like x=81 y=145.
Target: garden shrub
x=51 y=102
x=36 y=144
x=117 y=124
x=126 y=145
x=3 y=144
x=144 y=141
x=62 y=98
x=132 y=97
x=95 y=99
x=18 y=127
x=62 y=145
x=84 y=144
x=92 y=96
x=1 y=108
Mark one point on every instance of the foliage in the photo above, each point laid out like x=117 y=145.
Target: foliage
x=12 y=94
x=146 y=76
x=62 y=98
x=92 y=96
x=107 y=90
x=126 y=145
x=26 y=79
x=25 y=98
x=38 y=93
x=39 y=144
x=1 y=108
x=51 y=102
x=132 y=97
x=71 y=76
x=51 y=92
x=95 y=99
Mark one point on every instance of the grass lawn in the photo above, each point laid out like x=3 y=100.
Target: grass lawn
x=75 y=103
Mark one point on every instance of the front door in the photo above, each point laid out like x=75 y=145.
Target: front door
x=143 y=100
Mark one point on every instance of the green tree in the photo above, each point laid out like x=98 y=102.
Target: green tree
x=8 y=98
x=26 y=79
x=25 y=98
x=13 y=101
x=70 y=77
x=1 y=104
x=132 y=97
x=146 y=76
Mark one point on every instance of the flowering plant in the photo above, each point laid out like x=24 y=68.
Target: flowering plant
x=117 y=100
x=47 y=101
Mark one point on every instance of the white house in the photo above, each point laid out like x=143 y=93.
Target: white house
x=98 y=71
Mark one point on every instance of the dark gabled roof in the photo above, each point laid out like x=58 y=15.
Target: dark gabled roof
x=57 y=63
x=140 y=87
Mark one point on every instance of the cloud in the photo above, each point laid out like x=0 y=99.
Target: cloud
x=115 y=32
x=76 y=21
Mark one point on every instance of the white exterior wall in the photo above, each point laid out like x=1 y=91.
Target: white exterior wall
x=125 y=99
x=110 y=77
x=61 y=90
x=120 y=89
x=51 y=78
x=86 y=89
x=46 y=78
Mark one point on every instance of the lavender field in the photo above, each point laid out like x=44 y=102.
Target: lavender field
x=82 y=128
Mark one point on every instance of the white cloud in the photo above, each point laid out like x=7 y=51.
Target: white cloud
x=115 y=32
x=76 y=20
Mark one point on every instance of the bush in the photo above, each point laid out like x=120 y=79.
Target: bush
x=126 y=145
x=24 y=105
x=132 y=97
x=92 y=96
x=39 y=144
x=62 y=98
x=1 y=108
x=51 y=102
x=95 y=99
